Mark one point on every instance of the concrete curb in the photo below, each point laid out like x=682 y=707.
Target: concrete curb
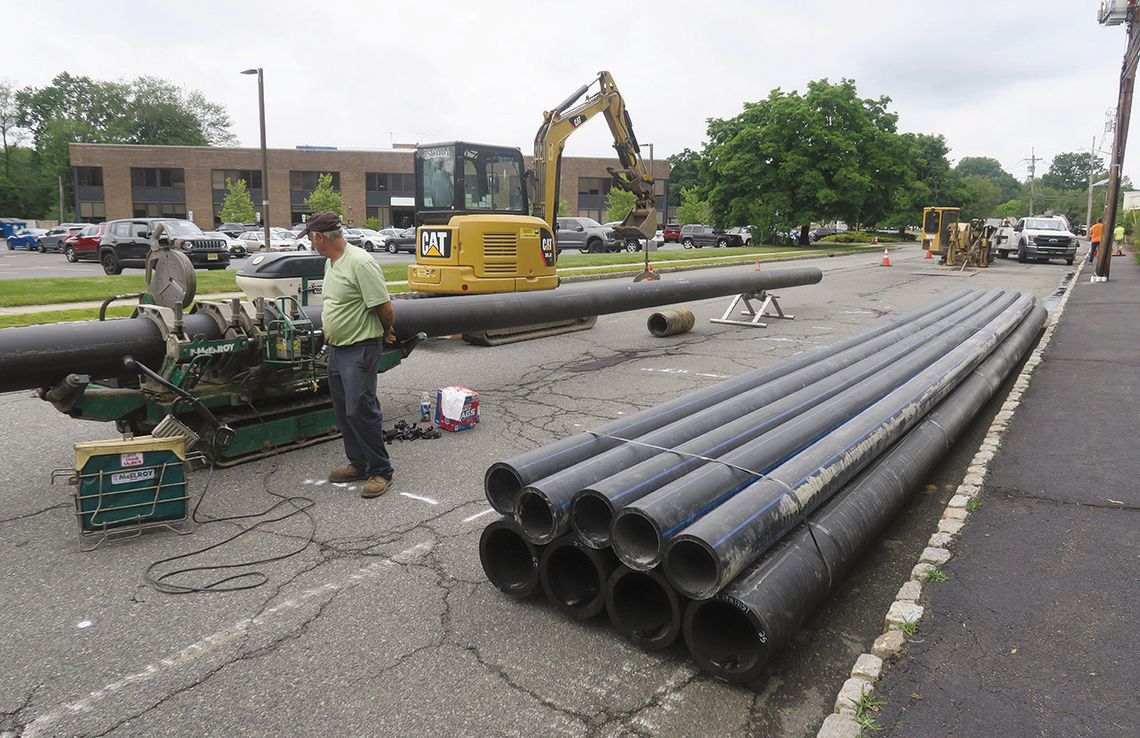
x=905 y=610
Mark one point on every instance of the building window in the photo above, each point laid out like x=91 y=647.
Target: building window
x=89 y=176
x=252 y=178
x=307 y=181
x=374 y=182
x=158 y=177
x=160 y=210
x=92 y=212
x=382 y=214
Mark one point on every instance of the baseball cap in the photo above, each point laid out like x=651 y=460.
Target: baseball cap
x=321 y=222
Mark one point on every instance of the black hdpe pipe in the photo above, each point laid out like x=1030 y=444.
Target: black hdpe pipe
x=644 y=607
x=735 y=634
x=509 y=560
x=42 y=355
x=642 y=529
x=543 y=508
x=504 y=480
x=712 y=551
x=594 y=507
x=574 y=577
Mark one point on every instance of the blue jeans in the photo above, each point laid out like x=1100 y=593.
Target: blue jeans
x=352 y=383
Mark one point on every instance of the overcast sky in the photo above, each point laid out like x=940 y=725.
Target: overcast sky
x=995 y=77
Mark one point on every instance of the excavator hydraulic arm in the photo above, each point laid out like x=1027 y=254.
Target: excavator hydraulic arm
x=558 y=125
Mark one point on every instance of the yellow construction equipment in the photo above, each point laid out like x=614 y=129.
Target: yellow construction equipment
x=937 y=224
x=486 y=224
x=970 y=244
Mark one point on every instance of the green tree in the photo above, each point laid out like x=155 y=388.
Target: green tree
x=686 y=170
x=324 y=197
x=979 y=197
x=991 y=169
x=237 y=205
x=618 y=203
x=692 y=208
x=11 y=135
x=1070 y=171
x=563 y=207
x=929 y=181
x=791 y=159
x=372 y=224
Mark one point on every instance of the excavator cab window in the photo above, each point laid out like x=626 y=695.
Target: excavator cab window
x=457 y=178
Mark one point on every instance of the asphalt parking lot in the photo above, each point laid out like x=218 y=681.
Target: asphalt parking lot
x=385 y=625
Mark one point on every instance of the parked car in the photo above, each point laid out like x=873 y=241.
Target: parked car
x=585 y=234
x=400 y=240
x=236 y=245
x=696 y=235
x=26 y=238
x=672 y=233
x=233 y=230
x=84 y=245
x=629 y=244
x=354 y=236
x=279 y=240
x=55 y=238
x=126 y=243
x=742 y=235
x=372 y=240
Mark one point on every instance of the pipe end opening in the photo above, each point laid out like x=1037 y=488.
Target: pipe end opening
x=642 y=607
x=725 y=641
x=591 y=516
x=535 y=516
x=571 y=580
x=508 y=561
x=692 y=568
x=636 y=540
x=658 y=325
x=502 y=486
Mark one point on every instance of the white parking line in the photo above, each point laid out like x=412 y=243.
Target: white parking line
x=476 y=516
x=428 y=500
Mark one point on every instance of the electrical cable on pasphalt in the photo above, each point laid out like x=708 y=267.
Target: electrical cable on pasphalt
x=247 y=579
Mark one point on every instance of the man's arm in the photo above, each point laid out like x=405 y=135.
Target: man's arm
x=387 y=314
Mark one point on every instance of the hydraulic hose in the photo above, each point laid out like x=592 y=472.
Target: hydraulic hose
x=642 y=530
x=504 y=480
x=714 y=549
x=735 y=634
x=543 y=507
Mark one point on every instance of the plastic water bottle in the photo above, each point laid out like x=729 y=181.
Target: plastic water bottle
x=425 y=406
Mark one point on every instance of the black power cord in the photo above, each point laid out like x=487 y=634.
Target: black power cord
x=247 y=579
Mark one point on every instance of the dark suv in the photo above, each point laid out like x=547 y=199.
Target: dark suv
x=126 y=243
x=703 y=235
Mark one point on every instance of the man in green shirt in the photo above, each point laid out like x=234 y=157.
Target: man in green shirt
x=357 y=318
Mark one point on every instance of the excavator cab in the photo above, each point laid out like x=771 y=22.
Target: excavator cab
x=474 y=231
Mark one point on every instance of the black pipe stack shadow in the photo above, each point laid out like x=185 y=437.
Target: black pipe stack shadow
x=729 y=514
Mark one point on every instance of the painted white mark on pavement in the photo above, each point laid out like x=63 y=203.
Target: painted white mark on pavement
x=42 y=724
x=476 y=516
x=83 y=624
x=713 y=376
x=428 y=500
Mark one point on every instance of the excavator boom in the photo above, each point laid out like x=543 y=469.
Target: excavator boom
x=561 y=122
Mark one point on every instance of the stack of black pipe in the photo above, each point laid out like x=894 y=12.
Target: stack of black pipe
x=729 y=514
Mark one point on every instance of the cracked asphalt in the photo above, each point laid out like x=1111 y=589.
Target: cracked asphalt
x=385 y=625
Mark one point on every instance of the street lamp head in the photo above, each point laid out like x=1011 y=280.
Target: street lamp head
x=251 y=71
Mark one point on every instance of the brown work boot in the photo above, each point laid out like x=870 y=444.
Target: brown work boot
x=346 y=474
x=375 y=486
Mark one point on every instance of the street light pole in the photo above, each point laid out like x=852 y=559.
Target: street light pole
x=654 y=185
x=264 y=153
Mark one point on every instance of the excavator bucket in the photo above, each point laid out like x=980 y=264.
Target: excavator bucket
x=640 y=223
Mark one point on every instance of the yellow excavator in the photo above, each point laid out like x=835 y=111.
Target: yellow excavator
x=484 y=223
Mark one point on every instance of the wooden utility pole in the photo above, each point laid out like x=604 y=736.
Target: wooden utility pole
x=1119 y=140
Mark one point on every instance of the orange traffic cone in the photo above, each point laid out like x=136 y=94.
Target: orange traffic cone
x=928 y=255
x=886 y=258
x=757 y=266
x=874 y=239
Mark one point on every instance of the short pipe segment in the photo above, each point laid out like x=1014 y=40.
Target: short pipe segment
x=509 y=560
x=644 y=607
x=574 y=577
x=670 y=322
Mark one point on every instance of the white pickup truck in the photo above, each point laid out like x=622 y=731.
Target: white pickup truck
x=1037 y=238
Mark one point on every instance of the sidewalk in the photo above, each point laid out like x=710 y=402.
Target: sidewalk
x=1037 y=632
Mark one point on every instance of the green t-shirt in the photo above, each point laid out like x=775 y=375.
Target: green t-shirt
x=352 y=289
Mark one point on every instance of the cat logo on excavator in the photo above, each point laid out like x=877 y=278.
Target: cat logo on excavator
x=435 y=243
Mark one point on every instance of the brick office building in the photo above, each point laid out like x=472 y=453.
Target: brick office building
x=122 y=181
